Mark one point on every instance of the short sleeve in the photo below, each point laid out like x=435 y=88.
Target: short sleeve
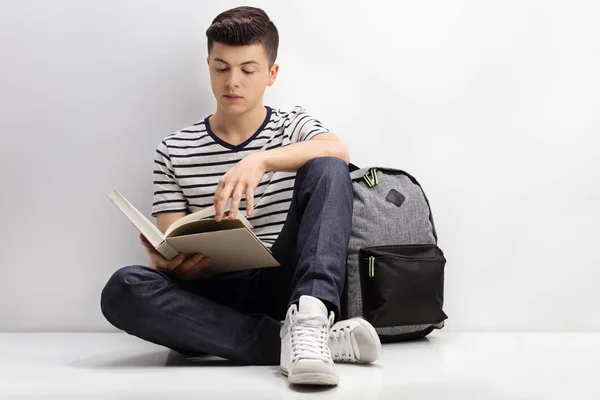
x=168 y=196
x=304 y=126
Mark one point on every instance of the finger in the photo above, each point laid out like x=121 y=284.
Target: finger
x=148 y=245
x=249 y=201
x=236 y=198
x=175 y=262
x=194 y=260
x=221 y=201
x=220 y=186
x=191 y=261
x=144 y=240
x=190 y=269
x=149 y=248
x=204 y=264
x=201 y=265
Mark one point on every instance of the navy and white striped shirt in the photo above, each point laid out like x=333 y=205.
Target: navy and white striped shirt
x=189 y=163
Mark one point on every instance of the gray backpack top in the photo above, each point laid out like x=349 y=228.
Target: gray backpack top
x=395 y=268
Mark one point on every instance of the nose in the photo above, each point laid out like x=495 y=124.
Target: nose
x=233 y=79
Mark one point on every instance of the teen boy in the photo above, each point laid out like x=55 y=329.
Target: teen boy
x=290 y=174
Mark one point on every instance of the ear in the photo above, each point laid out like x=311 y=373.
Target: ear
x=273 y=74
x=208 y=60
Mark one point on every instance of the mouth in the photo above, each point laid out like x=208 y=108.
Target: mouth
x=232 y=97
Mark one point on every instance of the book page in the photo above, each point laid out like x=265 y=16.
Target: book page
x=203 y=214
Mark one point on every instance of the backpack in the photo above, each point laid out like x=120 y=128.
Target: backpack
x=395 y=270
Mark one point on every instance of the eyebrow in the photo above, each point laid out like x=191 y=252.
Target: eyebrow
x=244 y=63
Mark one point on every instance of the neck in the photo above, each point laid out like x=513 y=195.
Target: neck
x=237 y=128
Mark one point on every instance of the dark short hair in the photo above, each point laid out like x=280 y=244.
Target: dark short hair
x=243 y=26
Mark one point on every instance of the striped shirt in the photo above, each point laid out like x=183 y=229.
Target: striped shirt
x=189 y=163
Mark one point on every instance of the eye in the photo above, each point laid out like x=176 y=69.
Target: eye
x=222 y=69
x=248 y=72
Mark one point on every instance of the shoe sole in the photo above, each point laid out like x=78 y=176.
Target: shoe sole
x=312 y=378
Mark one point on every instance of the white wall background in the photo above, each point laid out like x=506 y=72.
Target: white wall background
x=493 y=105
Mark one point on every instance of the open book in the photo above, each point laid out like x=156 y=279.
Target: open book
x=229 y=244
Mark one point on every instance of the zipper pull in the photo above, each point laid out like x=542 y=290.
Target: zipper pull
x=371 y=177
x=371 y=267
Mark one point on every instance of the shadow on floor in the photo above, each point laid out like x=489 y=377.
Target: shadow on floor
x=171 y=358
x=157 y=359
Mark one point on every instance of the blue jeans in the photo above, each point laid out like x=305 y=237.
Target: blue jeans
x=237 y=315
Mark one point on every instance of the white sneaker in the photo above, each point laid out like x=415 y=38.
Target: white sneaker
x=354 y=340
x=305 y=355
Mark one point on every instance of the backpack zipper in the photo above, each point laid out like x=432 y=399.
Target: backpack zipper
x=371 y=177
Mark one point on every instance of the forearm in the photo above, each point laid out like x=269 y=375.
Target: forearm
x=290 y=158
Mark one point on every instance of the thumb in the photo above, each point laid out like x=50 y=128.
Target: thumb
x=145 y=242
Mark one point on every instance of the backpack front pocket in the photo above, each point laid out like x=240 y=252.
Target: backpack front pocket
x=402 y=284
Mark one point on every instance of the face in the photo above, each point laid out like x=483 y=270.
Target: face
x=239 y=76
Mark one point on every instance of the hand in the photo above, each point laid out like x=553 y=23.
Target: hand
x=243 y=178
x=180 y=267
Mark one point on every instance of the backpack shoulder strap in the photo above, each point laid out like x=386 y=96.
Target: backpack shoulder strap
x=352 y=167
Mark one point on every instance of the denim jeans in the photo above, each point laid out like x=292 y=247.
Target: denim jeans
x=237 y=315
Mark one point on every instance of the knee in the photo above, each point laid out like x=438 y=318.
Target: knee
x=119 y=286
x=330 y=167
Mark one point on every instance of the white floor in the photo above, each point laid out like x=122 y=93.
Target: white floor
x=443 y=366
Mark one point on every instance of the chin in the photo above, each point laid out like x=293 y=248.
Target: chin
x=234 y=109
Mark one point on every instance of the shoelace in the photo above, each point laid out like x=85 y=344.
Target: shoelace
x=310 y=338
x=340 y=345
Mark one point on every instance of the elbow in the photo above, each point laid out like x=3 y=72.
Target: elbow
x=343 y=153
x=340 y=150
